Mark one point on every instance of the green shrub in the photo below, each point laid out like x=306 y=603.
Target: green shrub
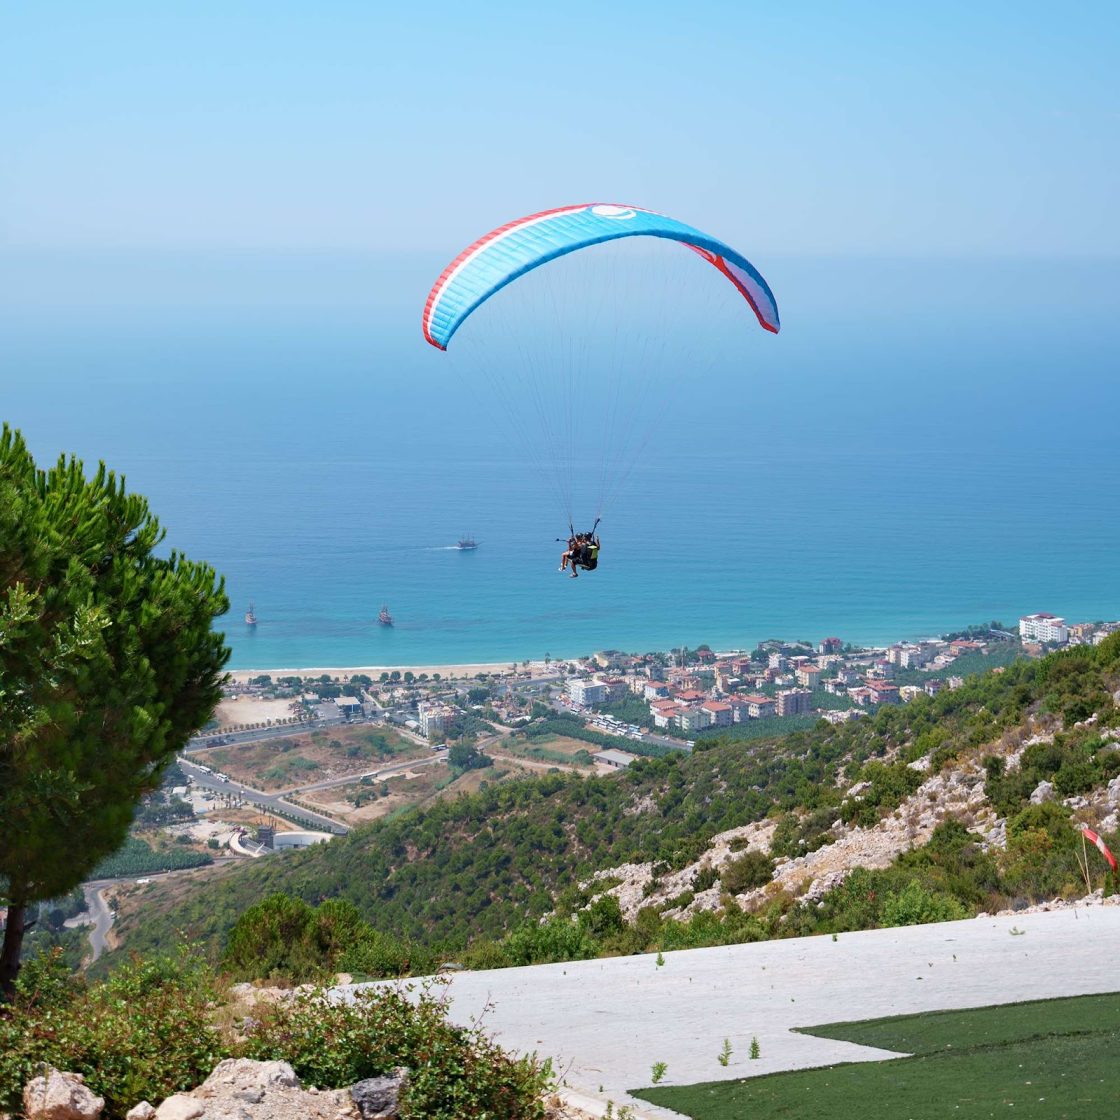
x=454 y=1072
x=915 y=905
x=557 y=940
x=149 y=1031
x=142 y=1035
x=750 y=870
x=706 y=877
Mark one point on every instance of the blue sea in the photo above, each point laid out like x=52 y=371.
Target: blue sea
x=927 y=444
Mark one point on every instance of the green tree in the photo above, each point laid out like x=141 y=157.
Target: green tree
x=108 y=664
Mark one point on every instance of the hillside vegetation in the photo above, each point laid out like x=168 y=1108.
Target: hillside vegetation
x=488 y=866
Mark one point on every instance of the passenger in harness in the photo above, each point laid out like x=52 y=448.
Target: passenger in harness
x=583 y=552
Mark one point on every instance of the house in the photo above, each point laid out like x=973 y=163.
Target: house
x=691 y=696
x=845 y=715
x=761 y=707
x=740 y=709
x=809 y=676
x=934 y=685
x=719 y=713
x=829 y=645
x=727 y=680
x=652 y=690
x=881 y=692
x=616 y=688
x=664 y=712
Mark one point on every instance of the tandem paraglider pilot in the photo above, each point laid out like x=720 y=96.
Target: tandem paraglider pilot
x=582 y=552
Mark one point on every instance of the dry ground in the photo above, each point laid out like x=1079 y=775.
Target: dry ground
x=408 y=789
x=292 y=761
x=234 y=710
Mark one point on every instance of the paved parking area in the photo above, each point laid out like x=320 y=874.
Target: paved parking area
x=607 y=1021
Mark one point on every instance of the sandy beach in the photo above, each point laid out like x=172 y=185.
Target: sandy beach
x=537 y=668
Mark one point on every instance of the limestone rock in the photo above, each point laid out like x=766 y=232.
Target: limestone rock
x=60 y=1096
x=141 y=1111
x=180 y=1107
x=377 y=1098
x=242 y=1089
x=1044 y=791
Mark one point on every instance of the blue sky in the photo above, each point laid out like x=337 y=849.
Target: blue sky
x=808 y=128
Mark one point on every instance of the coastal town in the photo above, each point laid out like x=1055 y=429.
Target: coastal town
x=663 y=699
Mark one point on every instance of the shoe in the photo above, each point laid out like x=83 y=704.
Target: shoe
x=575 y=575
x=562 y=569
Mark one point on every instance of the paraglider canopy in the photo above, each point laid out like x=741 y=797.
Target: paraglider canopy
x=511 y=250
x=585 y=355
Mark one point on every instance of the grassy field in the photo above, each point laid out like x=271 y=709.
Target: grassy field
x=1045 y=1060
x=551 y=748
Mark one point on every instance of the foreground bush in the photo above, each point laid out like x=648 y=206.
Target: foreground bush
x=158 y=1027
x=454 y=1072
x=143 y=1034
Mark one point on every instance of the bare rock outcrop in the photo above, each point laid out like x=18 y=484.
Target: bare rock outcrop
x=242 y=1089
x=60 y=1096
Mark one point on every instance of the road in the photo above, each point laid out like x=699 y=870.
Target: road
x=255 y=735
x=269 y=802
x=100 y=916
x=434 y=758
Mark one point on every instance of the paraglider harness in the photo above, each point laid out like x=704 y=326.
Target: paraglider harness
x=584 y=547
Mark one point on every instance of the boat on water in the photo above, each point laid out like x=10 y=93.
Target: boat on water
x=466 y=544
x=250 y=616
x=384 y=617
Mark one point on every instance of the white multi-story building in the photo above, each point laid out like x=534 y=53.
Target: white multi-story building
x=694 y=718
x=435 y=719
x=1043 y=627
x=587 y=692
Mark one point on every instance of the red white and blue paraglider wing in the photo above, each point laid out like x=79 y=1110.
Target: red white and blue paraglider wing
x=511 y=250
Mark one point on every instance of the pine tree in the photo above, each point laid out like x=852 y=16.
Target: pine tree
x=108 y=663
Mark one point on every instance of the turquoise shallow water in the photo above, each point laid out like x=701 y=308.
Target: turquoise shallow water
x=907 y=457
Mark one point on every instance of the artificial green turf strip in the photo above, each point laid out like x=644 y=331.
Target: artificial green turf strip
x=934 y=1031
x=1043 y=1060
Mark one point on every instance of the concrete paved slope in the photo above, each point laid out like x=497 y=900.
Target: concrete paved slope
x=608 y=1021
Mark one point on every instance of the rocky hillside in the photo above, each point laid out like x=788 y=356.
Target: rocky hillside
x=1015 y=756
x=955 y=793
